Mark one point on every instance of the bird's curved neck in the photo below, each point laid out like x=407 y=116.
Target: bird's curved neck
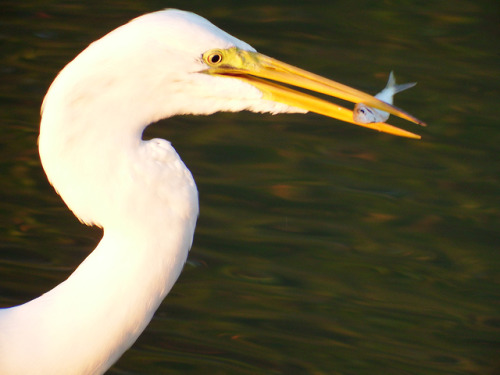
x=146 y=200
x=99 y=311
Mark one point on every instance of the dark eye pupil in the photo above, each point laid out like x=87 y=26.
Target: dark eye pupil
x=214 y=59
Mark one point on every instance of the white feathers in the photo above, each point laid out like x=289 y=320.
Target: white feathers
x=141 y=192
x=99 y=104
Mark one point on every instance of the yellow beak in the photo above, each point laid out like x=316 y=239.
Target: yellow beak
x=260 y=71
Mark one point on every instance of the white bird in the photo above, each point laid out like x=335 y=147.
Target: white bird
x=159 y=65
x=364 y=114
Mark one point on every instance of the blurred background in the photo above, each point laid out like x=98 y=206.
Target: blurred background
x=321 y=248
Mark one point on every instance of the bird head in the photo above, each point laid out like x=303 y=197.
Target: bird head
x=156 y=66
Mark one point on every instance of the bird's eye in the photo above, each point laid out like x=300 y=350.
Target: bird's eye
x=214 y=57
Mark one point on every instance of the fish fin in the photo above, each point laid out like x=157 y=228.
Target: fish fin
x=391 y=84
x=403 y=86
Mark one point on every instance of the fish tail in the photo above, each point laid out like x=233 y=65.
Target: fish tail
x=403 y=86
x=391 y=84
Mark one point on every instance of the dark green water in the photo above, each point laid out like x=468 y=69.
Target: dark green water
x=321 y=248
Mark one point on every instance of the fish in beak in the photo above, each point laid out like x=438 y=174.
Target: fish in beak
x=270 y=76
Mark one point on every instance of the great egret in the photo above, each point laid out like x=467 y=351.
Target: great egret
x=156 y=66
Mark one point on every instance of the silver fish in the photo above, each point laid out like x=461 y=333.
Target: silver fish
x=365 y=115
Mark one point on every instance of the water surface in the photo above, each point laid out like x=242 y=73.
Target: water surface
x=321 y=248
